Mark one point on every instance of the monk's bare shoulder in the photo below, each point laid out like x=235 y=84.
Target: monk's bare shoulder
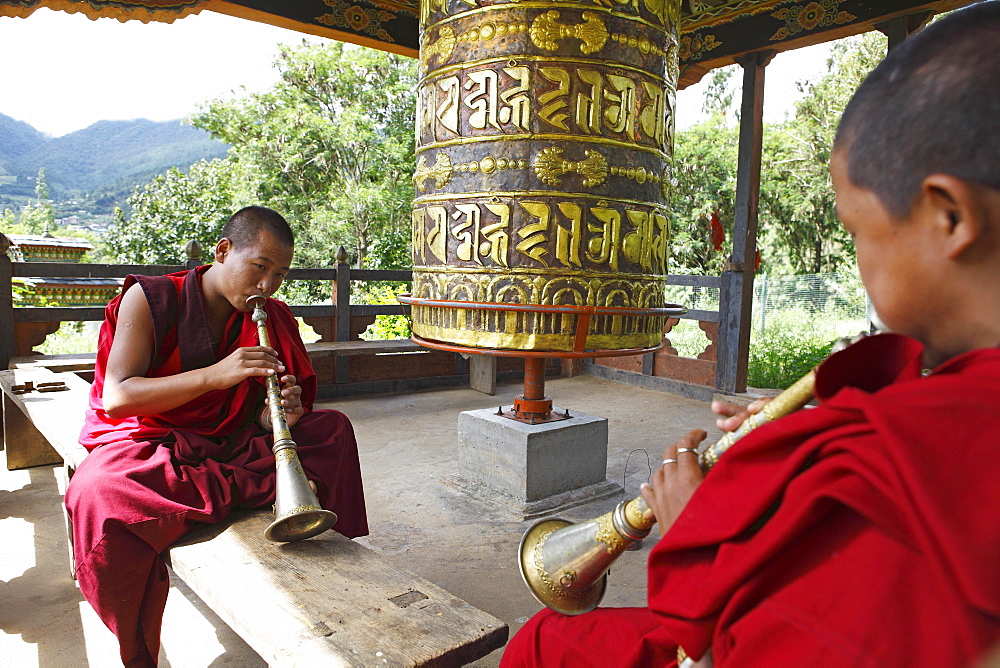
x=132 y=349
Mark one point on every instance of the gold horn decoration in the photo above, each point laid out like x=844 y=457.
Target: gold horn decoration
x=546 y=31
x=297 y=514
x=565 y=565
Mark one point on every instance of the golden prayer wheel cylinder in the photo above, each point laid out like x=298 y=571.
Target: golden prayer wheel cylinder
x=544 y=144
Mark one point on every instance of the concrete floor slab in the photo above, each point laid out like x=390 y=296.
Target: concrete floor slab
x=408 y=446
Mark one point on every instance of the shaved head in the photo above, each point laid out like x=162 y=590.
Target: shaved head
x=932 y=106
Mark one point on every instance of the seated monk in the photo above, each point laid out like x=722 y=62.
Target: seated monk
x=864 y=531
x=178 y=428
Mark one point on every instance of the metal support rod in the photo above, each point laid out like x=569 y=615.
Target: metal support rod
x=534 y=378
x=533 y=404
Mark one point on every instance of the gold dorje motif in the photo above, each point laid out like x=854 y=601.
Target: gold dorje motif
x=549 y=165
x=546 y=31
x=443 y=47
x=441 y=171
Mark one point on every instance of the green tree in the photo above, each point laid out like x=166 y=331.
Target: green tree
x=800 y=232
x=38 y=217
x=704 y=182
x=332 y=144
x=175 y=208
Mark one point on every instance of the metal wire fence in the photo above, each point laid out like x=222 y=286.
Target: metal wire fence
x=817 y=305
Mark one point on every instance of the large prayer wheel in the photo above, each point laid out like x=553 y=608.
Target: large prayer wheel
x=544 y=144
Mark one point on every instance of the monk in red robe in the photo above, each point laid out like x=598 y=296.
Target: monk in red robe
x=865 y=531
x=178 y=430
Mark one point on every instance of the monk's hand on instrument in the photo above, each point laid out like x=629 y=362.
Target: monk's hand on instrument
x=291 y=399
x=732 y=416
x=674 y=482
x=245 y=363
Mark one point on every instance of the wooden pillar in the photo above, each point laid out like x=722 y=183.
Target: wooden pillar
x=341 y=296
x=901 y=28
x=6 y=305
x=736 y=295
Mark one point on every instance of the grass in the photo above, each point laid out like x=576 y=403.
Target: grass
x=793 y=342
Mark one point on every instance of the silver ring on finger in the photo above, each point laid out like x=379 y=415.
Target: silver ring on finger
x=680 y=450
x=668 y=461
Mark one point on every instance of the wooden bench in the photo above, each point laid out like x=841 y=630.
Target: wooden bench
x=482 y=368
x=323 y=601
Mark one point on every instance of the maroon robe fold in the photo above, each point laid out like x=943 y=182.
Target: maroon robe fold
x=863 y=532
x=149 y=479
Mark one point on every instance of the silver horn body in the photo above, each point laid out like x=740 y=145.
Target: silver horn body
x=297 y=513
x=565 y=565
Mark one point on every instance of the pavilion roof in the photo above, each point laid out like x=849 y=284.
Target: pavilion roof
x=713 y=32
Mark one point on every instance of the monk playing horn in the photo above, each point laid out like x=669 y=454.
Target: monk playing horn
x=177 y=424
x=866 y=531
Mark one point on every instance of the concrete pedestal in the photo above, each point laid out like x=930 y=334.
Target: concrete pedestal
x=533 y=470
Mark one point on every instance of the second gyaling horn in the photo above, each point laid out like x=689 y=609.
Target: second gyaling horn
x=565 y=565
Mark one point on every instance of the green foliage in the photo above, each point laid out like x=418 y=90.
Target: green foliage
x=71 y=338
x=785 y=351
x=385 y=326
x=332 y=145
x=175 y=208
x=704 y=181
x=794 y=341
x=798 y=227
x=798 y=221
x=36 y=216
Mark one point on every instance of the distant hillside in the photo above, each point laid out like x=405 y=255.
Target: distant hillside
x=16 y=139
x=106 y=154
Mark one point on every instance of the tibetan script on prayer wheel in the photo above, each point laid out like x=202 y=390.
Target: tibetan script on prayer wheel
x=544 y=146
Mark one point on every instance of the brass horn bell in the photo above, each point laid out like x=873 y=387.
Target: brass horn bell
x=565 y=565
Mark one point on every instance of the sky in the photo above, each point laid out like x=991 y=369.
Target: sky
x=63 y=72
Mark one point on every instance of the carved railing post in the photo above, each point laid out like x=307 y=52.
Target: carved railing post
x=193 y=252
x=6 y=304
x=341 y=295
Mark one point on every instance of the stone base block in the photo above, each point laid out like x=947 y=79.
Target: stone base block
x=533 y=469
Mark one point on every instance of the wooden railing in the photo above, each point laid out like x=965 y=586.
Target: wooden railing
x=665 y=368
x=23 y=328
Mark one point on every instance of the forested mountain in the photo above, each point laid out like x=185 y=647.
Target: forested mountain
x=16 y=139
x=108 y=155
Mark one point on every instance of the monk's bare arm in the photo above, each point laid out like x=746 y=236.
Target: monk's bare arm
x=128 y=392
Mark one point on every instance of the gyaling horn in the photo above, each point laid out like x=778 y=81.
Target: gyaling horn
x=297 y=513
x=566 y=565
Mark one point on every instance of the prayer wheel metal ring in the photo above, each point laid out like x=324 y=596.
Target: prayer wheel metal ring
x=576 y=331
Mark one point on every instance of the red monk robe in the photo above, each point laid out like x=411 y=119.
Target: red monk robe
x=880 y=543
x=150 y=479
